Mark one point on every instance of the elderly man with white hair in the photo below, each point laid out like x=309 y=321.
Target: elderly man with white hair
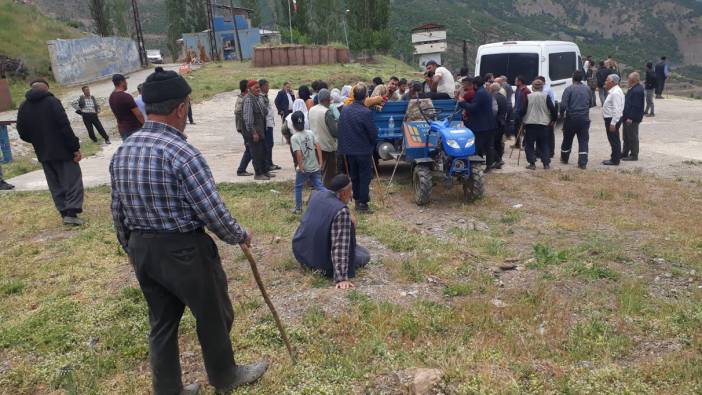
x=324 y=126
x=632 y=116
x=612 y=111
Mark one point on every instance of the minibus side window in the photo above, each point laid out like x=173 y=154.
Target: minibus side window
x=561 y=65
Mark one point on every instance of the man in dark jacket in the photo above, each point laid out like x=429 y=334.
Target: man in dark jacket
x=502 y=118
x=575 y=104
x=357 y=140
x=651 y=82
x=482 y=121
x=602 y=73
x=284 y=101
x=325 y=241
x=254 y=114
x=632 y=116
x=88 y=108
x=519 y=98
x=662 y=73
x=42 y=122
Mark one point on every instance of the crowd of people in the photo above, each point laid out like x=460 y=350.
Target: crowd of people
x=164 y=195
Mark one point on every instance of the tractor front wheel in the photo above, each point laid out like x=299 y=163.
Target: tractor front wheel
x=421 y=180
x=473 y=186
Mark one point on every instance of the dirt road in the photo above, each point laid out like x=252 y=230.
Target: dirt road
x=671 y=143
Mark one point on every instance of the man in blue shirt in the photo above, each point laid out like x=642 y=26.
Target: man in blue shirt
x=482 y=121
x=576 y=102
x=662 y=73
x=163 y=196
x=357 y=140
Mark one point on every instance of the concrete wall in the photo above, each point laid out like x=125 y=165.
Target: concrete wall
x=92 y=58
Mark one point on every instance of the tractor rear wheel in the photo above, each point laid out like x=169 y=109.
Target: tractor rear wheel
x=421 y=180
x=473 y=186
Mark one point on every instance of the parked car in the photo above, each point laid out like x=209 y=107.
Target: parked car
x=555 y=60
x=154 y=56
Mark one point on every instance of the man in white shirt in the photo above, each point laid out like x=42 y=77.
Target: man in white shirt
x=443 y=79
x=612 y=111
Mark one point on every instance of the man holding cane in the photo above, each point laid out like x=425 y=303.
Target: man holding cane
x=176 y=263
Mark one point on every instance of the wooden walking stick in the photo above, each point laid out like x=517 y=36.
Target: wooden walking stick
x=377 y=179
x=259 y=282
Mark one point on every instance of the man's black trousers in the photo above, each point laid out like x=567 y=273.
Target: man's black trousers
x=614 y=142
x=660 y=85
x=485 y=146
x=176 y=270
x=65 y=182
x=499 y=144
x=576 y=127
x=360 y=171
x=630 y=134
x=258 y=155
x=269 y=148
x=92 y=122
x=537 y=135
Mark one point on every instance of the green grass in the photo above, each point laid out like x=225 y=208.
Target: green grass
x=22 y=164
x=215 y=78
x=73 y=319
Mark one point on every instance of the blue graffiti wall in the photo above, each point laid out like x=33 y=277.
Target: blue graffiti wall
x=92 y=58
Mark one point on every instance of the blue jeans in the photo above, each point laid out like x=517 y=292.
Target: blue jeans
x=5 y=145
x=315 y=178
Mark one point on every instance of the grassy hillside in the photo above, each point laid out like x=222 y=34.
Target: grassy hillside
x=633 y=31
x=24 y=33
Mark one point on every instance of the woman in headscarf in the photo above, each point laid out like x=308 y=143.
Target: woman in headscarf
x=345 y=92
x=305 y=94
x=336 y=103
x=298 y=105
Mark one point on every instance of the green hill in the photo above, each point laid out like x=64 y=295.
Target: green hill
x=24 y=33
x=633 y=31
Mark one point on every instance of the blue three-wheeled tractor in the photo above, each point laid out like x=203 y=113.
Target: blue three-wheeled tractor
x=439 y=147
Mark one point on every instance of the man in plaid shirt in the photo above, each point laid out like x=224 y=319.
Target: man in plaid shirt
x=163 y=195
x=326 y=238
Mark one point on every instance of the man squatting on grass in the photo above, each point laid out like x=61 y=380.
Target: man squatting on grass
x=325 y=241
x=163 y=196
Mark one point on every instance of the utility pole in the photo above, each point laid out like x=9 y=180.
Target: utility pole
x=214 y=53
x=236 y=31
x=139 y=35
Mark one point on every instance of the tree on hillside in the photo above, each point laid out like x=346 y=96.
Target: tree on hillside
x=100 y=13
x=368 y=24
x=255 y=6
x=176 y=12
x=119 y=13
x=196 y=16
